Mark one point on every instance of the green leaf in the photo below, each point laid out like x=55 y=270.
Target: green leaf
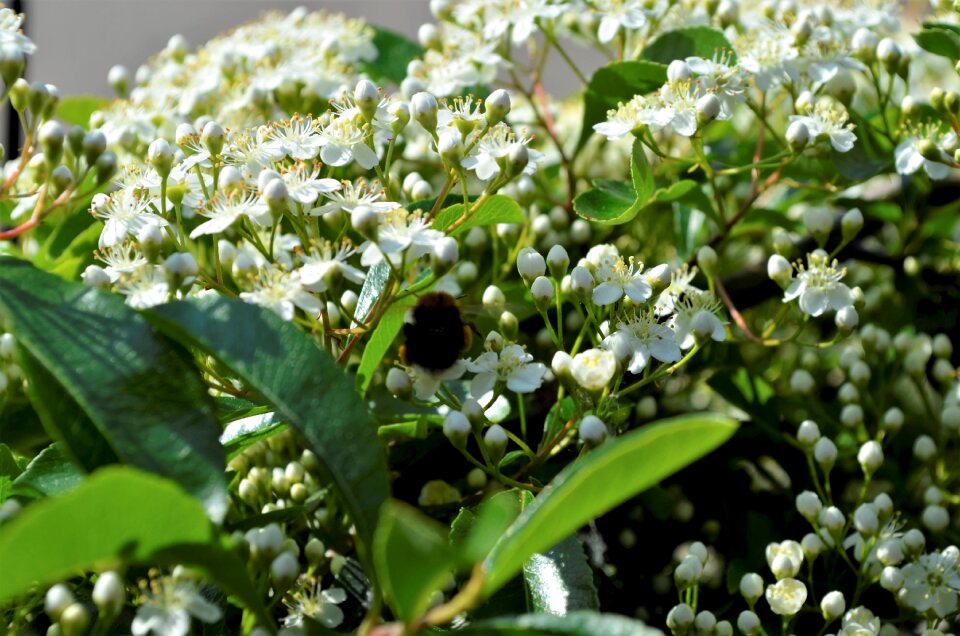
x=8 y=463
x=616 y=83
x=302 y=382
x=50 y=473
x=680 y=44
x=497 y=209
x=390 y=324
x=245 y=432
x=138 y=398
x=573 y=624
x=939 y=41
x=412 y=558
x=394 y=53
x=75 y=110
x=110 y=520
x=474 y=533
x=606 y=477
x=615 y=203
x=560 y=580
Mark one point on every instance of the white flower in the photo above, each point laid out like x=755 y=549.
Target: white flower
x=121 y=259
x=342 y=141
x=859 y=622
x=168 y=609
x=720 y=78
x=829 y=120
x=786 y=596
x=932 y=582
x=281 y=292
x=250 y=153
x=224 y=211
x=123 y=216
x=614 y=14
x=789 y=550
x=304 y=186
x=316 y=604
x=650 y=111
x=323 y=264
x=399 y=232
x=492 y=149
x=638 y=339
x=818 y=286
x=679 y=287
x=908 y=158
x=767 y=54
x=696 y=317
x=616 y=278
x=426 y=382
x=145 y=287
x=296 y=138
x=512 y=365
x=351 y=195
x=593 y=369
x=517 y=16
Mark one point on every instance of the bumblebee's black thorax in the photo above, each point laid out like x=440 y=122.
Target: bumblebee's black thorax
x=437 y=334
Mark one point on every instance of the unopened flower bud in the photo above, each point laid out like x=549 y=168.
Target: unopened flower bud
x=51 y=137
x=94 y=143
x=74 y=620
x=399 y=384
x=181 y=267
x=924 y=448
x=581 y=282
x=213 y=137
x=889 y=54
x=12 y=63
x=105 y=167
x=891 y=579
x=935 y=518
x=364 y=220
x=865 y=520
x=542 y=291
x=530 y=264
x=779 y=270
x=284 y=570
x=495 y=440
x=517 y=159
x=748 y=623
x=708 y=108
x=808 y=433
x=558 y=260
x=160 y=156
x=367 y=98
x=108 y=593
x=119 y=79
x=57 y=599
x=797 y=135
x=95 y=276
x=847 y=319
x=423 y=109
x=450 y=147
x=678 y=71
x=751 y=587
x=496 y=106
x=707 y=260
x=825 y=452
x=801 y=382
x=833 y=605
x=592 y=430
x=809 y=505
x=680 y=618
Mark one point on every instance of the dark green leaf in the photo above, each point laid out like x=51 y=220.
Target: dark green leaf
x=302 y=382
x=116 y=510
x=380 y=341
x=574 y=624
x=608 y=476
x=680 y=44
x=497 y=209
x=616 y=83
x=8 y=463
x=560 y=580
x=939 y=41
x=394 y=53
x=243 y=433
x=474 y=533
x=75 y=110
x=412 y=558
x=615 y=203
x=50 y=473
x=146 y=404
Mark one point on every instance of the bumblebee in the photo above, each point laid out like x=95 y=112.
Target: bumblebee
x=435 y=332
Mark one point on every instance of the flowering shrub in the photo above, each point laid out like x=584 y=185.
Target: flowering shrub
x=314 y=329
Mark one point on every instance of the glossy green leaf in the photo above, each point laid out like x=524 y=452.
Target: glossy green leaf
x=475 y=531
x=497 y=209
x=616 y=83
x=560 y=580
x=699 y=41
x=50 y=473
x=302 y=382
x=117 y=507
x=412 y=558
x=137 y=397
x=573 y=624
x=615 y=203
x=389 y=325
x=245 y=432
x=394 y=53
x=76 y=109
x=8 y=463
x=608 y=476
x=939 y=41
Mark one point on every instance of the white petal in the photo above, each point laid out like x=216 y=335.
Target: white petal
x=607 y=293
x=482 y=383
x=527 y=378
x=814 y=301
x=366 y=157
x=638 y=290
x=335 y=155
